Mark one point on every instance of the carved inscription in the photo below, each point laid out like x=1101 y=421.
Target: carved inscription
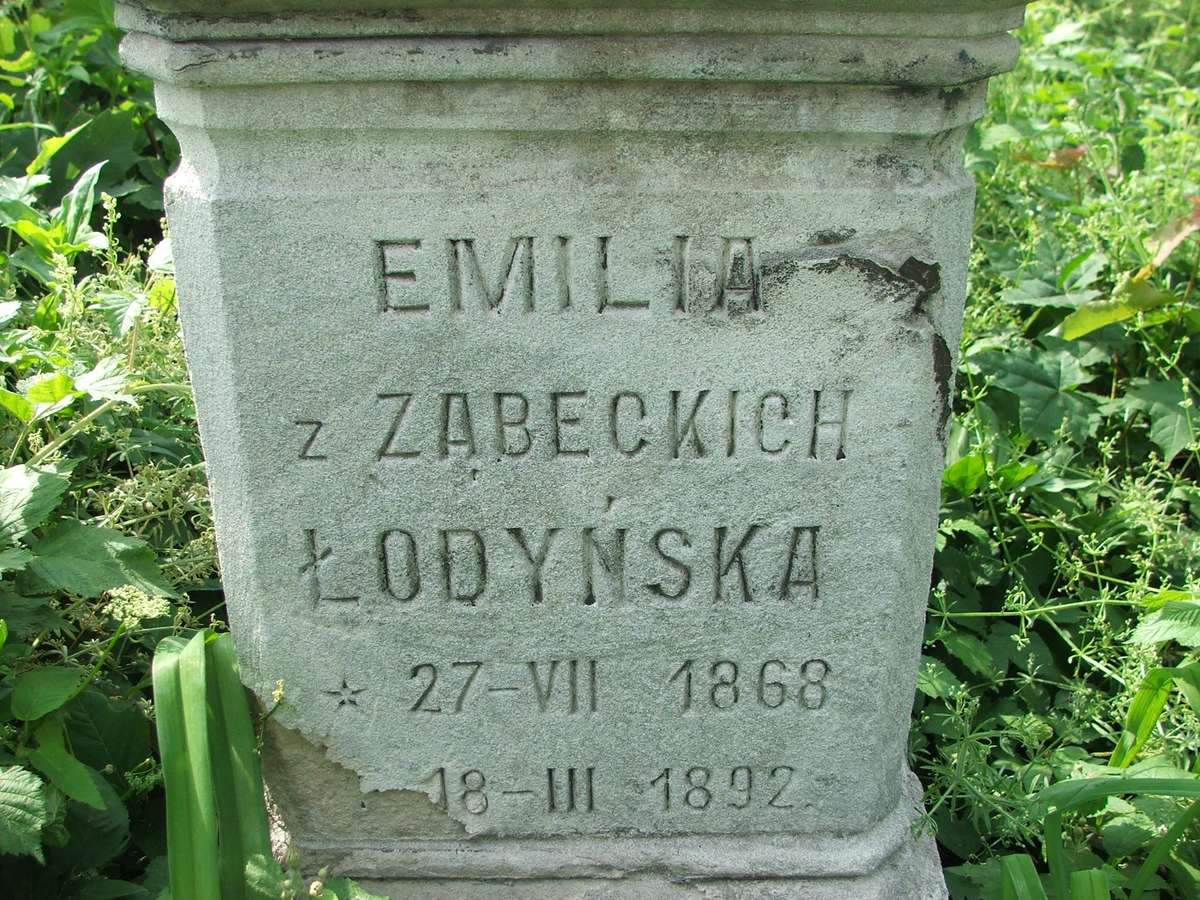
x=562 y=790
x=701 y=788
x=745 y=564
x=774 y=684
x=578 y=424
x=524 y=274
x=567 y=686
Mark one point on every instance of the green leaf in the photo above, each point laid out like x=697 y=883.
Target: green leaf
x=49 y=389
x=98 y=835
x=105 y=381
x=966 y=475
x=14 y=559
x=1090 y=884
x=87 y=560
x=3 y=633
x=51 y=146
x=121 y=310
x=236 y=776
x=181 y=717
x=108 y=889
x=1044 y=383
x=1076 y=792
x=1178 y=620
x=1144 y=710
x=1127 y=301
x=1021 y=880
x=265 y=878
x=971 y=652
x=43 y=690
x=1170 y=421
x=107 y=731
x=77 y=205
x=64 y=771
x=20 y=408
x=935 y=680
x=22 y=812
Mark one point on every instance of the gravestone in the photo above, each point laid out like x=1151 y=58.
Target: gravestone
x=573 y=379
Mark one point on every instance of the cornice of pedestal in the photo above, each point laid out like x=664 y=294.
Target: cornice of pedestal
x=245 y=42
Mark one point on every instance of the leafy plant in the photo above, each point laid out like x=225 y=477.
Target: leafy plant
x=215 y=809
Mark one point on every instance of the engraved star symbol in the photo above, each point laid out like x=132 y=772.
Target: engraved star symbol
x=345 y=694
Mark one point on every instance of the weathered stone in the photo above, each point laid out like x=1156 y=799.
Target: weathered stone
x=573 y=379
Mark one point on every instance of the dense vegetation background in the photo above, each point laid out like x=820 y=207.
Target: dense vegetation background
x=1064 y=618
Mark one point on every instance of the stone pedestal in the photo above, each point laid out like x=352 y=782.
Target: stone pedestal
x=573 y=379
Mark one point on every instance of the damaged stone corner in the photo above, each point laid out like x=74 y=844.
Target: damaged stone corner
x=321 y=800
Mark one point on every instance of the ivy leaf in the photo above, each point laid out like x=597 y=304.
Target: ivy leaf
x=1162 y=401
x=65 y=772
x=28 y=496
x=88 y=560
x=43 y=690
x=22 y=812
x=1178 y=620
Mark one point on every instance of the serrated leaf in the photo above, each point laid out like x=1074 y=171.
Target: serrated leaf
x=18 y=406
x=106 y=381
x=160 y=259
x=88 y=560
x=43 y=690
x=27 y=497
x=121 y=310
x=64 y=771
x=345 y=889
x=1044 y=384
x=49 y=389
x=22 y=812
x=1178 y=620
x=14 y=559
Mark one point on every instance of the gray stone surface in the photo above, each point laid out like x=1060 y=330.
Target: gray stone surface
x=573 y=380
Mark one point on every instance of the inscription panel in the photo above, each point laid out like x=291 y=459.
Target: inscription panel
x=605 y=528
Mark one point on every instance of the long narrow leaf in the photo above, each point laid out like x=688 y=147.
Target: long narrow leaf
x=1068 y=795
x=1021 y=880
x=202 y=808
x=172 y=745
x=1090 y=884
x=1055 y=857
x=1144 y=710
x=1161 y=848
x=237 y=777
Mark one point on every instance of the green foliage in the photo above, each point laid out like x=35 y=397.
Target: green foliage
x=215 y=810
x=1063 y=622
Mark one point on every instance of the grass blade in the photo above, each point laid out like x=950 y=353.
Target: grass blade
x=202 y=807
x=1144 y=710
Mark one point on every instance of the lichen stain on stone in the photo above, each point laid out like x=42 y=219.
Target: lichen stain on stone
x=831 y=236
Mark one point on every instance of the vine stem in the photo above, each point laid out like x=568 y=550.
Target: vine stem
x=100 y=410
